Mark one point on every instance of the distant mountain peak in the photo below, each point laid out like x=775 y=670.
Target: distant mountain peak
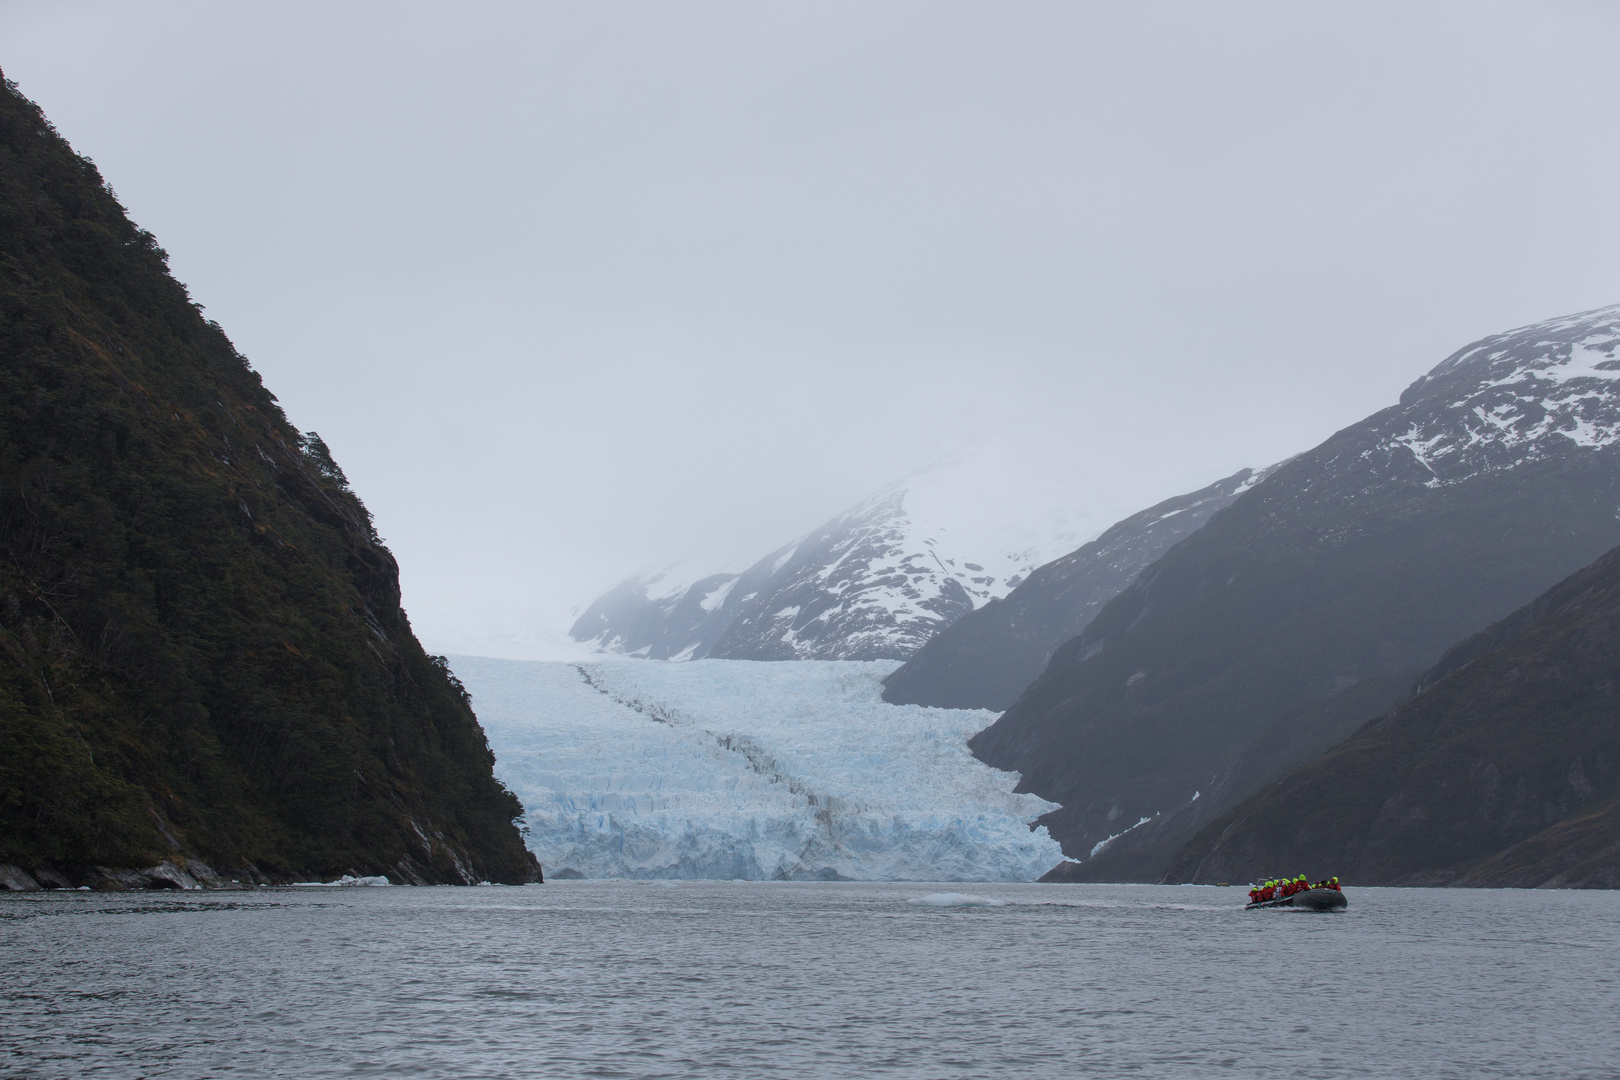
x=872 y=583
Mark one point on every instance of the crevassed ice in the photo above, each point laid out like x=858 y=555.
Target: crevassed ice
x=756 y=770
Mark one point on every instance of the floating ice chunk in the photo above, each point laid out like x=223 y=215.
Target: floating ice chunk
x=345 y=881
x=956 y=899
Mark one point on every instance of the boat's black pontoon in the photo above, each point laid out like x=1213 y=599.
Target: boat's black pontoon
x=1308 y=900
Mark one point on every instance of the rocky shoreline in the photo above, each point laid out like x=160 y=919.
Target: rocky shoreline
x=186 y=875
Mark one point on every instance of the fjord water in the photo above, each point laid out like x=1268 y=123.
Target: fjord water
x=715 y=979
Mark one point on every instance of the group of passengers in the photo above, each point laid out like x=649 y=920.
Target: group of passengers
x=1277 y=889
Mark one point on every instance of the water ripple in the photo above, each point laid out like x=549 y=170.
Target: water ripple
x=588 y=979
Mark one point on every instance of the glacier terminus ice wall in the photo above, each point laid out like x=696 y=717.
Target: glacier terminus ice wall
x=785 y=770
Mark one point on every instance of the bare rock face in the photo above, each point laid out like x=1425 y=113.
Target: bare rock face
x=162 y=876
x=1321 y=592
x=186 y=874
x=16 y=879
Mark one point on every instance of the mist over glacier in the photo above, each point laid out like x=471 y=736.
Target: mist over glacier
x=739 y=769
x=873 y=583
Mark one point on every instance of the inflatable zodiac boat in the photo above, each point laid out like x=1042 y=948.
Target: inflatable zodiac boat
x=1308 y=900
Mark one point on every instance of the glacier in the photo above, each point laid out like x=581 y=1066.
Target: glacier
x=736 y=769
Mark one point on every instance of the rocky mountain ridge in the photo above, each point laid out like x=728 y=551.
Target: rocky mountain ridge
x=985 y=659
x=1321 y=593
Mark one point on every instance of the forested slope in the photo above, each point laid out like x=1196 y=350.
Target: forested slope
x=202 y=650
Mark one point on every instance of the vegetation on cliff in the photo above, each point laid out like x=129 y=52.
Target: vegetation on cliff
x=202 y=650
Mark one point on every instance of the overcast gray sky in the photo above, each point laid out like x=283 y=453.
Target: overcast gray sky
x=573 y=288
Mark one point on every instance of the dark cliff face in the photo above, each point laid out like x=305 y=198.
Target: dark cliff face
x=201 y=639
x=986 y=658
x=1320 y=593
x=1502 y=770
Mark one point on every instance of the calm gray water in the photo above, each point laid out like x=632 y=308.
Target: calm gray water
x=619 y=979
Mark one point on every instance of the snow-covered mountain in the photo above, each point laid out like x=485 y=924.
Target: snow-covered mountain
x=873 y=583
x=1312 y=602
x=748 y=770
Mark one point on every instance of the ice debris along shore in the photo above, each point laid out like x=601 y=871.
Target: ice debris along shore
x=749 y=769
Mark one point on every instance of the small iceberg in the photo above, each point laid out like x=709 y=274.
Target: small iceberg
x=345 y=880
x=956 y=899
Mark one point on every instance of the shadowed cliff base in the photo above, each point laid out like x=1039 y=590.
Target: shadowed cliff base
x=1502 y=770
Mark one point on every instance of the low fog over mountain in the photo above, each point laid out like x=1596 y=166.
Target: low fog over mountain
x=874 y=582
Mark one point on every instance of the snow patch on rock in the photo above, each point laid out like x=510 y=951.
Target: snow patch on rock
x=1513 y=398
